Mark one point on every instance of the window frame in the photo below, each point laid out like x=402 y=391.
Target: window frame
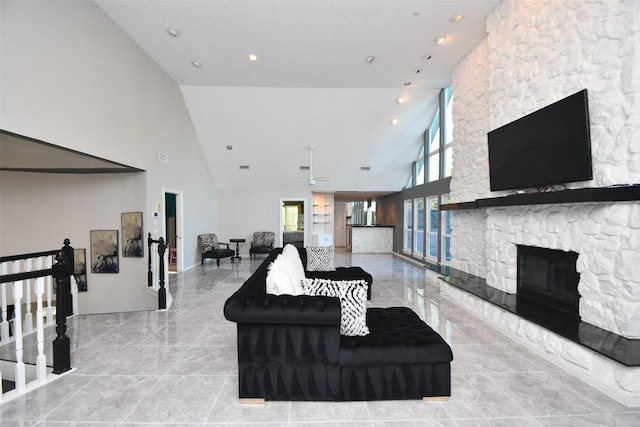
x=428 y=226
x=407 y=247
x=436 y=152
x=418 y=232
x=444 y=216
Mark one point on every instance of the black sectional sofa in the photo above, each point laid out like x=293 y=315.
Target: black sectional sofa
x=290 y=347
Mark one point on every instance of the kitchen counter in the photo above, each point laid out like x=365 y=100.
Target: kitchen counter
x=370 y=238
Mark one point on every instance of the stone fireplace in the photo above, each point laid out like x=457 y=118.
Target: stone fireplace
x=525 y=63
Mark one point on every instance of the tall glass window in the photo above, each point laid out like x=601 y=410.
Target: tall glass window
x=420 y=168
x=433 y=145
x=418 y=234
x=448 y=131
x=408 y=226
x=446 y=231
x=432 y=227
x=427 y=232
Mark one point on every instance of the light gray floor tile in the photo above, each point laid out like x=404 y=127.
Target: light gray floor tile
x=328 y=411
x=540 y=394
x=179 y=367
x=228 y=409
x=179 y=399
x=391 y=410
x=122 y=392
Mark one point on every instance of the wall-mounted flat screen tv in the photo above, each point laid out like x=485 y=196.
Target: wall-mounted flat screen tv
x=549 y=146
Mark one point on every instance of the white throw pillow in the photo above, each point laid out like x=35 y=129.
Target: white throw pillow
x=290 y=253
x=353 y=302
x=281 y=278
x=320 y=258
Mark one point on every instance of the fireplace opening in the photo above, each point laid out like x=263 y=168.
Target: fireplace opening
x=548 y=277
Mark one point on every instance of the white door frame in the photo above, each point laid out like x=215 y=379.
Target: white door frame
x=179 y=224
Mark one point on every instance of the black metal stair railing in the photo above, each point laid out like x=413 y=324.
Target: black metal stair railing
x=162 y=291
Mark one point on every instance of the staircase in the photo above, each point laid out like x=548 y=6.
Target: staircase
x=26 y=306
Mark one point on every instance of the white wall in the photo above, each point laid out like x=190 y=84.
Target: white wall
x=244 y=212
x=71 y=77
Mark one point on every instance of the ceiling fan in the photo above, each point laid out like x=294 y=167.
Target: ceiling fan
x=312 y=180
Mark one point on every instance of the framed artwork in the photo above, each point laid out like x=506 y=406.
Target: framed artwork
x=132 y=245
x=104 y=251
x=80 y=268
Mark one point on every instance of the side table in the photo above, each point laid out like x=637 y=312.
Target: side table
x=237 y=242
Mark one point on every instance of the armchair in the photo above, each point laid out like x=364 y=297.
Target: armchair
x=262 y=243
x=210 y=248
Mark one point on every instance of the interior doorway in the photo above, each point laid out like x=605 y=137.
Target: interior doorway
x=292 y=222
x=340 y=225
x=173 y=229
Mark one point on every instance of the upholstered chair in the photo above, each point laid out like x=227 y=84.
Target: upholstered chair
x=262 y=242
x=211 y=248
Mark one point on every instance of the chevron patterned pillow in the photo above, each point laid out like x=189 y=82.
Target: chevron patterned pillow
x=353 y=302
x=320 y=258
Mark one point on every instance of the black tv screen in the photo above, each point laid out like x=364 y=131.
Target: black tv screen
x=549 y=146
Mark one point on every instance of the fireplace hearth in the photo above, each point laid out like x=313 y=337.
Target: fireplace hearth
x=570 y=326
x=548 y=277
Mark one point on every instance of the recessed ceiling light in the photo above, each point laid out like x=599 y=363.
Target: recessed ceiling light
x=407 y=83
x=440 y=40
x=400 y=100
x=394 y=122
x=426 y=57
x=456 y=18
x=370 y=59
x=253 y=57
x=196 y=64
x=229 y=147
x=173 y=32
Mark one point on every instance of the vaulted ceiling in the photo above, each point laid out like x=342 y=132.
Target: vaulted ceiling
x=328 y=73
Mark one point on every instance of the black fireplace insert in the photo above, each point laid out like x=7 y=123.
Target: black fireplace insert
x=548 y=277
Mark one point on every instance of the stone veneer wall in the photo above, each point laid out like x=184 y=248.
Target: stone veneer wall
x=471 y=172
x=537 y=52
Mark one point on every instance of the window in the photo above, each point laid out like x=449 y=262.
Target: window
x=448 y=131
x=432 y=202
x=427 y=232
x=408 y=226
x=433 y=144
x=418 y=233
x=446 y=231
x=420 y=168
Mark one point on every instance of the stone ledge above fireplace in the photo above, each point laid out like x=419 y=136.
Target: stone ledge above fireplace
x=618 y=348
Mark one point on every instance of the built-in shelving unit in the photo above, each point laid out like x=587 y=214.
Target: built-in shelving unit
x=323 y=219
x=581 y=195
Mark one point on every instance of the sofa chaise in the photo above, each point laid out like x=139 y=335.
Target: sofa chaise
x=290 y=348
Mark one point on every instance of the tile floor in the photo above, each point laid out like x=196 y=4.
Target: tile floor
x=179 y=367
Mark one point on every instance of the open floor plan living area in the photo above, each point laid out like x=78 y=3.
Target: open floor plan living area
x=319 y=213
x=179 y=367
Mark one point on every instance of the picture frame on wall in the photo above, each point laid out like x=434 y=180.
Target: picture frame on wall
x=104 y=251
x=132 y=244
x=80 y=268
